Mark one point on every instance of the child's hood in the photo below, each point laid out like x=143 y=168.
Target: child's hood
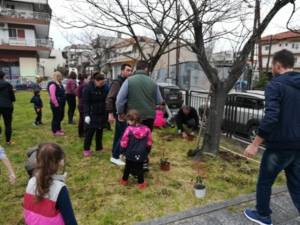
x=139 y=131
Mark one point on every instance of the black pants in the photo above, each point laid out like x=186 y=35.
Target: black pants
x=57 y=117
x=81 y=124
x=38 y=119
x=89 y=133
x=71 y=100
x=134 y=168
x=7 y=117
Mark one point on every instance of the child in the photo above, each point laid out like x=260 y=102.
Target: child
x=160 y=120
x=136 y=142
x=7 y=164
x=46 y=200
x=38 y=105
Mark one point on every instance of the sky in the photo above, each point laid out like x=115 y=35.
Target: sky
x=63 y=37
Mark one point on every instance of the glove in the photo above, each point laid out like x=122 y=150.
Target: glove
x=87 y=119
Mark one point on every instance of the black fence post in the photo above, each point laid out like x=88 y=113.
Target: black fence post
x=187 y=97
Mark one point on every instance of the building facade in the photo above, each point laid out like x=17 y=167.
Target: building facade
x=24 y=38
x=274 y=43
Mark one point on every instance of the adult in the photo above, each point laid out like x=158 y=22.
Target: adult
x=94 y=96
x=120 y=126
x=187 y=121
x=7 y=97
x=57 y=103
x=71 y=88
x=280 y=129
x=80 y=88
x=141 y=93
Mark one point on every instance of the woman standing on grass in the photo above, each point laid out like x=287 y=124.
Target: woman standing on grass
x=7 y=97
x=94 y=96
x=57 y=103
x=71 y=88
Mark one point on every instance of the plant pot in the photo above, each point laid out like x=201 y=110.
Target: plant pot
x=165 y=166
x=200 y=192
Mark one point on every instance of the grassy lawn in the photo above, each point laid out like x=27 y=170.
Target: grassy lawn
x=93 y=182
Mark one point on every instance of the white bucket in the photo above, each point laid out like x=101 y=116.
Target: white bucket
x=200 y=193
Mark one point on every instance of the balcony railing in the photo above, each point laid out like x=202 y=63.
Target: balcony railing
x=25 y=14
x=44 y=43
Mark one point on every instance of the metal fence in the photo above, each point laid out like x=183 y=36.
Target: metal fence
x=242 y=113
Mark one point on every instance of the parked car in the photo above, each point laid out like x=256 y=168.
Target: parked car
x=171 y=94
x=242 y=113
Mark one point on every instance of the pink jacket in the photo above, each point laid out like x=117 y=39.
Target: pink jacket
x=159 y=121
x=139 y=132
x=43 y=212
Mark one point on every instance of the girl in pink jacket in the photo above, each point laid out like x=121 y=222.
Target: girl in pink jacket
x=136 y=143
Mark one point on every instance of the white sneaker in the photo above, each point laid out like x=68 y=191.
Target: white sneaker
x=118 y=162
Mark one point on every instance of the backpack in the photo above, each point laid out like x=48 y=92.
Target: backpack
x=30 y=164
x=137 y=148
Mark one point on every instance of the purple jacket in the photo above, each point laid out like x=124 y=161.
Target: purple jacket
x=71 y=87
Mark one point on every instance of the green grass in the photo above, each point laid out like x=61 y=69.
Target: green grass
x=93 y=182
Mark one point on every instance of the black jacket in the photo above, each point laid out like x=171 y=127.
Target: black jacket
x=280 y=126
x=112 y=94
x=181 y=118
x=7 y=95
x=94 y=104
x=37 y=101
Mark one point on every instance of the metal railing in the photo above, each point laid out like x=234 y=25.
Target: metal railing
x=25 y=14
x=45 y=43
x=241 y=116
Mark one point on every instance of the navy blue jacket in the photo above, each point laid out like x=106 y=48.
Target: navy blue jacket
x=37 y=101
x=280 y=126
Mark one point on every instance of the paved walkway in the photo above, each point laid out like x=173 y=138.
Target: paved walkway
x=231 y=212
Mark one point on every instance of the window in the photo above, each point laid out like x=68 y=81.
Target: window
x=267 y=47
x=250 y=103
x=296 y=59
x=286 y=44
x=21 y=34
x=16 y=33
x=279 y=44
x=10 y=6
x=295 y=45
x=12 y=33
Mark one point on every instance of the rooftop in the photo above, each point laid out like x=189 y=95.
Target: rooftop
x=282 y=36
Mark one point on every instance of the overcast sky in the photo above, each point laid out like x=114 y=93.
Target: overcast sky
x=61 y=36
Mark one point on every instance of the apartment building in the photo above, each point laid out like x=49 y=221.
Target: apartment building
x=24 y=38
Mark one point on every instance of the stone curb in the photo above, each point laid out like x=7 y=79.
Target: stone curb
x=207 y=209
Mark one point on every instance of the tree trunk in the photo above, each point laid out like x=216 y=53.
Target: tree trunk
x=212 y=133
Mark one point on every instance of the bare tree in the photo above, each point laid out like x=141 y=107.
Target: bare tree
x=157 y=19
x=230 y=17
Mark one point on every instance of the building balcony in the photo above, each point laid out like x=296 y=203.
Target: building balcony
x=42 y=47
x=39 y=43
x=25 y=15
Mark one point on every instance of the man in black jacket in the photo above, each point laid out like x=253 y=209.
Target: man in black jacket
x=120 y=127
x=7 y=97
x=280 y=129
x=187 y=121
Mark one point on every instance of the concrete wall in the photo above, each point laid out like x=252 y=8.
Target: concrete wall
x=28 y=68
x=56 y=59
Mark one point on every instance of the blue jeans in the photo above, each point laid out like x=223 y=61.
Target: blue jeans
x=272 y=163
x=119 y=130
